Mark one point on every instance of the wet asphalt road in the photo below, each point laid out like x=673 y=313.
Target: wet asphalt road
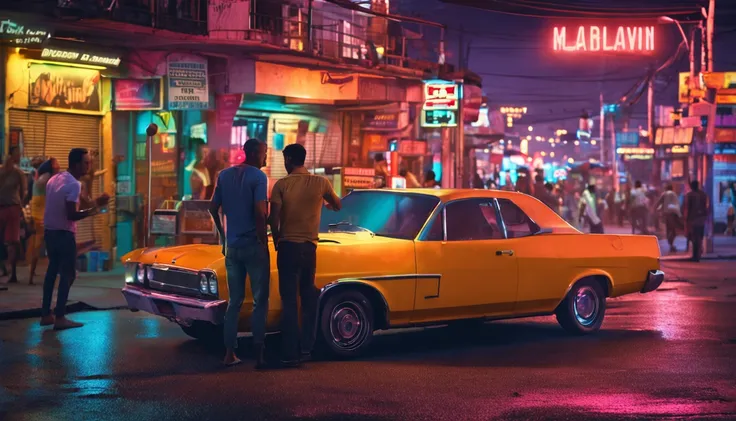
x=669 y=354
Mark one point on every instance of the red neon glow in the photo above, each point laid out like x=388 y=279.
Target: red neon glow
x=603 y=38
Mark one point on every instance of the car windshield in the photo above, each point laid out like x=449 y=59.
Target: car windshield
x=384 y=213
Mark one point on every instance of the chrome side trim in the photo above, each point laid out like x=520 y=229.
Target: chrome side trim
x=395 y=277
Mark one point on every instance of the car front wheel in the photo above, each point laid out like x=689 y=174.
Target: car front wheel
x=204 y=331
x=582 y=310
x=346 y=323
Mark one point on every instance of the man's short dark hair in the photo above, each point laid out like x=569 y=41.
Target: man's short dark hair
x=670 y=187
x=637 y=184
x=296 y=153
x=252 y=146
x=403 y=172
x=76 y=156
x=539 y=178
x=694 y=185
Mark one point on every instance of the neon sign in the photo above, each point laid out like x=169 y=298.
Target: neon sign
x=440 y=95
x=631 y=39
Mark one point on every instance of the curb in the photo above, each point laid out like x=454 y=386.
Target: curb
x=75 y=307
x=687 y=258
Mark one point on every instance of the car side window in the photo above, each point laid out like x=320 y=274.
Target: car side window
x=518 y=224
x=473 y=219
x=435 y=232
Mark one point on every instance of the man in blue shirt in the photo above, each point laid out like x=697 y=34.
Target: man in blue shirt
x=241 y=193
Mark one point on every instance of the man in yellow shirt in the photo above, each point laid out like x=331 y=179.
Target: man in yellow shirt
x=296 y=207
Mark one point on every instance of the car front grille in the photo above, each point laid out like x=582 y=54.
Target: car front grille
x=174 y=280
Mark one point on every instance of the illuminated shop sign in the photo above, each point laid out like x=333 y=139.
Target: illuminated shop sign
x=19 y=34
x=440 y=95
x=680 y=149
x=512 y=113
x=635 y=151
x=630 y=39
x=79 y=57
x=439 y=118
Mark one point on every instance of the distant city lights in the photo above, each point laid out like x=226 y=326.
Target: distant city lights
x=570 y=161
x=531 y=128
x=552 y=154
x=543 y=153
x=593 y=142
x=577 y=143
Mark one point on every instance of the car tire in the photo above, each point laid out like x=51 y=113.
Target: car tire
x=346 y=323
x=204 y=331
x=583 y=309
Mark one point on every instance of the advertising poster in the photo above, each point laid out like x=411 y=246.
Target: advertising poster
x=137 y=94
x=188 y=84
x=64 y=88
x=724 y=180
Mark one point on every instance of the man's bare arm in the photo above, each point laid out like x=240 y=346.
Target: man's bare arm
x=261 y=217
x=332 y=199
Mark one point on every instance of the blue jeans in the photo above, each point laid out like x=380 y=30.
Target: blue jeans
x=239 y=262
x=61 y=247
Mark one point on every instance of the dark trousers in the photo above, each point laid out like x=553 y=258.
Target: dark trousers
x=639 y=220
x=61 y=247
x=697 y=232
x=297 y=263
x=596 y=228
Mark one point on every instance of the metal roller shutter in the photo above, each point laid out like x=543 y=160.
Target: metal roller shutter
x=54 y=135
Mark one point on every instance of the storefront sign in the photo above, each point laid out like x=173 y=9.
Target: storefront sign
x=635 y=151
x=138 y=94
x=439 y=118
x=627 y=139
x=440 y=95
x=413 y=147
x=724 y=174
x=64 y=88
x=188 y=85
x=377 y=143
x=630 y=39
x=359 y=178
x=381 y=121
x=721 y=135
x=668 y=136
x=472 y=101
x=18 y=34
x=724 y=149
x=196 y=217
x=227 y=106
x=15 y=140
x=676 y=150
x=689 y=90
x=80 y=57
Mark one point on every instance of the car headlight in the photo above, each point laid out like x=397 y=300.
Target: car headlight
x=203 y=283
x=213 y=284
x=149 y=273
x=141 y=274
x=130 y=272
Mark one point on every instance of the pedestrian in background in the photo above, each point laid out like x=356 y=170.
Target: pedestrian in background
x=589 y=210
x=45 y=171
x=61 y=214
x=12 y=193
x=241 y=192
x=695 y=211
x=296 y=207
x=639 y=209
x=669 y=205
x=411 y=179
x=429 y=180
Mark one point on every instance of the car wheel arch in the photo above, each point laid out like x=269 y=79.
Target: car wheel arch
x=603 y=278
x=376 y=298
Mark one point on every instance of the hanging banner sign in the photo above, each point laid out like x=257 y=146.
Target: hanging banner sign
x=381 y=121
x=596 y=38
x=440 y=95
x=188 y=85
x=15 y=33
x=137 y=94
x=80 y=57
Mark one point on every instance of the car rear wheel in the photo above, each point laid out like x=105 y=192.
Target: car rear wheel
x=346 y=323
x=204 y=331
x=583 y=309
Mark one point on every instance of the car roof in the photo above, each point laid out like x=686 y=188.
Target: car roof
x=447 y=195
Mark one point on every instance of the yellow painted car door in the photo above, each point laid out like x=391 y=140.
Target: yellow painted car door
x=465 y=266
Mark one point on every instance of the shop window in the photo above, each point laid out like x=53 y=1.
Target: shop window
x=518 y=224
x=350 y=44
x=473 y=219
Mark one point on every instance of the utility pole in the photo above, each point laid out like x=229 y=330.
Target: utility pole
x=707 y=181
x=650 y=105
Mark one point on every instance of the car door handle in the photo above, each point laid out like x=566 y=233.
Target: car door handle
x=504 y=252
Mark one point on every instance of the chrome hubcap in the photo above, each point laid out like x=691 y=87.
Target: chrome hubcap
x=347 y=325
x=586 y=306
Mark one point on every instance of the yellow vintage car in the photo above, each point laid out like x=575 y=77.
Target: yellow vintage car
x=399 y=258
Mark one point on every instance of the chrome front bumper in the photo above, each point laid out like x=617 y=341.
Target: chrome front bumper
x=174 y=307
x=654 y=280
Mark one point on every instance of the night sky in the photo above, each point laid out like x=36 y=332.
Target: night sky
x=514 y=55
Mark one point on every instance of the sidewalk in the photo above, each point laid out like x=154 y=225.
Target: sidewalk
x=723 y=247
x=91 y=291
